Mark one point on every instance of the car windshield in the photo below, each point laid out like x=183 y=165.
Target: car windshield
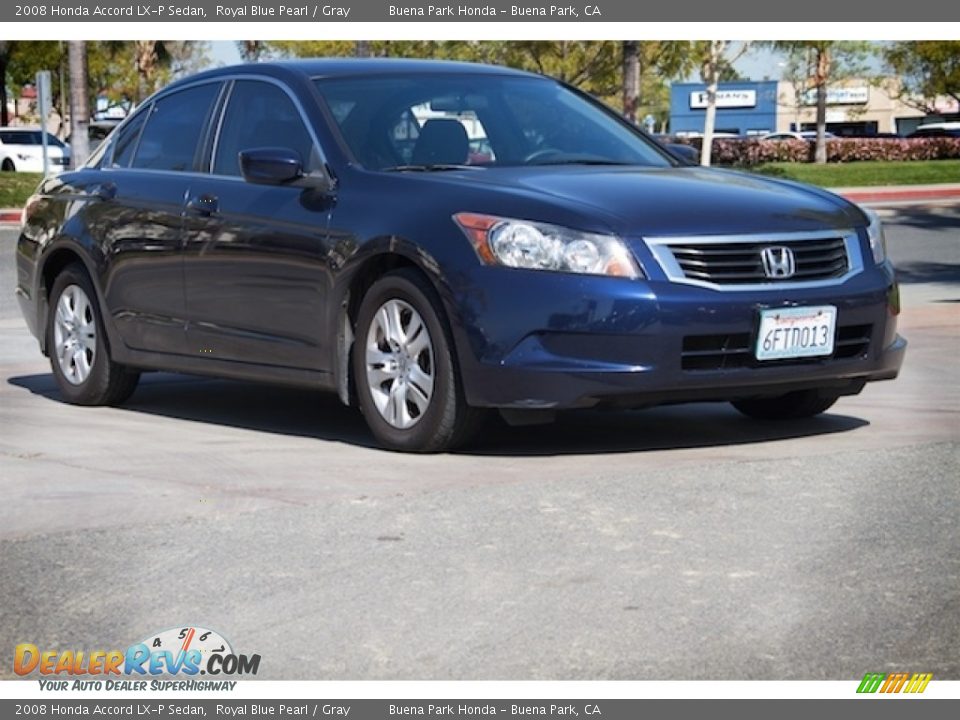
x=28 y=137
x=436 y=122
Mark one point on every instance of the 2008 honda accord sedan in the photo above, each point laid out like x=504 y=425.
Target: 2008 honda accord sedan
x=435 y=240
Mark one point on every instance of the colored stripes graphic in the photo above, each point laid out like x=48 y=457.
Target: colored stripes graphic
x=894 y=682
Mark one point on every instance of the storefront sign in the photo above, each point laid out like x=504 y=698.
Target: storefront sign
x=725 y=99
x=840 y=96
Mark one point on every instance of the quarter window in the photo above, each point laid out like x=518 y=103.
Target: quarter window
x=259 y=115
x=174 y=125
x=126 y=141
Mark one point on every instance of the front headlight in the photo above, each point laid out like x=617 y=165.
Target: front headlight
x=878 y=243
x=539 y=246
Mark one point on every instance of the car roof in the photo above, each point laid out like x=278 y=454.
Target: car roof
x=939 y=126
x=354 y=67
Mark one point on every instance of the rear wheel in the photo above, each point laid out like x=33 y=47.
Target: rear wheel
x=792 y=406
x=8 y=165
x=407 y=381
x=77 y=345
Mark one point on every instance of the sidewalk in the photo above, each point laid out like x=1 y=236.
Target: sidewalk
x=877 y=195
x=881 y=194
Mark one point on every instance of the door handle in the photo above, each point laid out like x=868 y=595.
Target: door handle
x=204 y=204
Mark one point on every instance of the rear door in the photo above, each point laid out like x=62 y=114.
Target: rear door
x=147 y=181
x=255 y=263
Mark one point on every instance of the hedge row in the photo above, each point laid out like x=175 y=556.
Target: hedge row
x=747 y=152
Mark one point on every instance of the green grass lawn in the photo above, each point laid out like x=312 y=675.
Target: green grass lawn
x=16 y=187
x=878 y=172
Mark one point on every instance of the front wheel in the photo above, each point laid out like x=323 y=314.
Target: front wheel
x=77 y=345
x=8 y=165
x=405 y=370
x=792 y=406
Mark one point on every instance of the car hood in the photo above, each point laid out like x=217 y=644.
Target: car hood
x=673 y=201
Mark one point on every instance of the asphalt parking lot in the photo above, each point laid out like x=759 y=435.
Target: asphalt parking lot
x=674 y=543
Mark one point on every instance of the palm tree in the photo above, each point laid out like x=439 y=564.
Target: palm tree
x=251 y=50
x=149 y=57
x=631 y=79
x=79 y=102
x=4 y=55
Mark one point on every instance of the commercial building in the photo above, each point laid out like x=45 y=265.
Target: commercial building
x=743 y=107
x=854 y=107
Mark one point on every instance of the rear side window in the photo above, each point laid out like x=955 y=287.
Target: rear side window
x=174 y=125
x=259 y=115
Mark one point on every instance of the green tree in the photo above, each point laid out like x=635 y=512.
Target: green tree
x=928 y=69
x=823 y=63
x=112 y=68
x=647 y=65
x=159 y=61
x=592 y=66
x=251 y=50
x=27 y=57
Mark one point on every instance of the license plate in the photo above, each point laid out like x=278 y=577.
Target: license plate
x=796 y=332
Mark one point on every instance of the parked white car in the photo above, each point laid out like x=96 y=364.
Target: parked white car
x=936 y=129
x=21 y=149
x=808 y=135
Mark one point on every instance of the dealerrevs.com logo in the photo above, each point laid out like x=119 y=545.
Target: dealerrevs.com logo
x=184 y=651
x=896 y=682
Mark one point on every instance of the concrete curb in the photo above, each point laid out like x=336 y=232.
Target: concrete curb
x=900 y=193
x=9 y=216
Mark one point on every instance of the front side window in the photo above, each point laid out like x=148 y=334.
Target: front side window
x=483 y=120
x=259 y=115
x=174 y=125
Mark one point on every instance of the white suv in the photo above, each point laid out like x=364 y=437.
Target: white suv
x=21 y=148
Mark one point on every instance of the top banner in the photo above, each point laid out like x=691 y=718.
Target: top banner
x=493 y=11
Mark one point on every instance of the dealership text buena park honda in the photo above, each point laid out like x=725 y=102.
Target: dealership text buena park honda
x=433 y=241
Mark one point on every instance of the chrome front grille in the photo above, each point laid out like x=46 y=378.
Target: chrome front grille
x=736 y=262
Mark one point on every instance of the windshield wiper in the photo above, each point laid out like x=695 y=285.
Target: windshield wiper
x=438 y=167
x=582 y=161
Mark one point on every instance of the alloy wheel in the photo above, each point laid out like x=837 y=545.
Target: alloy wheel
x=75 y=335
x=400 y=364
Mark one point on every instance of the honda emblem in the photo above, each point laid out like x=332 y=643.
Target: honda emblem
x=778 y=262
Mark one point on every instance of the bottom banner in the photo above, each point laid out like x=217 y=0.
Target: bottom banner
x=385 y=710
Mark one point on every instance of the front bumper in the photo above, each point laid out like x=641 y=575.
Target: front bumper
x=537 y=340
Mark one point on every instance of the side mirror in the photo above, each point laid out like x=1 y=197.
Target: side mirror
x=270 y=165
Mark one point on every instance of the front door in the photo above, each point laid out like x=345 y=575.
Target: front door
x=255 y=259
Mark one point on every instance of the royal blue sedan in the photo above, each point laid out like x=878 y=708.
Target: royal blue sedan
x=436 y=240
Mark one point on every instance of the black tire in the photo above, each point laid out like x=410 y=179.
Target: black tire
x=448 y=422
x=108 y=383
x=792 y=406
x=8 y=165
